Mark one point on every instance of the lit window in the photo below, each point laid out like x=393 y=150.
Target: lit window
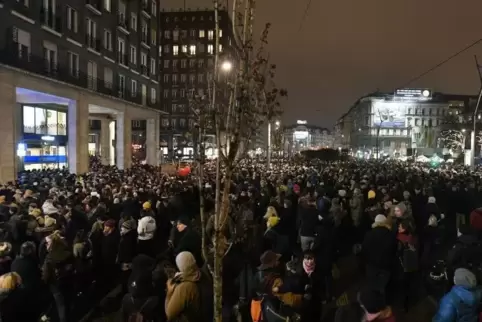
x=192 y=50
x=220 y=48
x=210 y=49
x=201 y=34
x=184 y=48
x=210 y=35
x=220 y=33
x=175 y=50
x=153 y=96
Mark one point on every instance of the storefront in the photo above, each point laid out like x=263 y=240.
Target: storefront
x=43 y=144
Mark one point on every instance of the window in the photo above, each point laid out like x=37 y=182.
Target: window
x=192 y=63
x=201 y=34
x=200 y=63
x=133 y=21
x=175 y=35
x=154 y=8
x=167 y=34
x=153 y=95
x=174 y=93
x=50 y=56
x=183 y=34
x=153 y=37
x=192 y=50
x=166 y=78
x=165 y=122
x=107 y=5
x=175 y=50
x=220 y=48
x=91 y=28
x=92 y=75
x=182 y=93
x=143 y=58
x=133 y=56
x=166 y=93
x=73 y=64
x=220 y=33
x=174 y=108
x=166 y=49
x=173 y=123
x=72 y=23
x=183 y=63
x=108 y=78
x=133 y=88
x=136 y=123
x=174 y=79
x=121 y=51
x=174 y=63
x=107 y=39
x=192 y=78
x=144 y=30
x=28 y=119
x=183 y=78
x=200 y=78
x=200 y=48
x=122 y=8
x=210 y=35
x=184 y=49
x=121 y=80
x=210 y=49
x=153 y=66
x=166 y=63
x=182 y=122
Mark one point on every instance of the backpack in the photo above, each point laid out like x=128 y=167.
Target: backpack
x=137 y=316
x=409 y=259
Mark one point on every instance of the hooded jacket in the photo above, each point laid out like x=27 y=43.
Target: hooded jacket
x=460 y=304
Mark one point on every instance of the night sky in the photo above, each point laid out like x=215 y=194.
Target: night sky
x=347 y=48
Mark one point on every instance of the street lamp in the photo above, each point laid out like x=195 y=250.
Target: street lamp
x=226 y=66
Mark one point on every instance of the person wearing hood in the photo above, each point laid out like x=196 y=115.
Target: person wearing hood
x=57 y=273
x=463 y=300
x=183 y=299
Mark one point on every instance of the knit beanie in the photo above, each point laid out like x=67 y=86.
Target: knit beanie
x=185 y=262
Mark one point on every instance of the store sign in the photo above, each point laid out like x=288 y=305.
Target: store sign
x=45 y=159
x=47 y=126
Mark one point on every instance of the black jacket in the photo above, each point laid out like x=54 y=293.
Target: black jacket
x=308 y=221
x=379 y=248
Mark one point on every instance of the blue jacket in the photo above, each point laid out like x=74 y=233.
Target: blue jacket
x=459 y=305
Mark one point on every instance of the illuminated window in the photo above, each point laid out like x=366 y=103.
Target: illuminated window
x=192 y=50
x=28 y=119
x=184 y=48
x=210 y=35
x=175 y=50
x=201 y=34
x=210 y=49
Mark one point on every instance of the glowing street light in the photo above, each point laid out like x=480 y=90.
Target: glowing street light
x=227 y=66
x=277 y=123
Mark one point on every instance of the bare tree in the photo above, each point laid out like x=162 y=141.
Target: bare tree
x=252 y=98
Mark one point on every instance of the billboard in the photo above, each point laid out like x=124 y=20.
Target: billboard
x=389 y=114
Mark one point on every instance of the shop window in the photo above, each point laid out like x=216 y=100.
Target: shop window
x=28 y=119
x=62 y=123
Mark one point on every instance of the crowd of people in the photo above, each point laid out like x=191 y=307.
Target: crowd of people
x=65 y=237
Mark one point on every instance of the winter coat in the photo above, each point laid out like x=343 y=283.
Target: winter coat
x=183 y=302
x=29 y=271
x=460 y=304
x=356 y=206
x=308 y=221
x=127 y=247
x=379 y=247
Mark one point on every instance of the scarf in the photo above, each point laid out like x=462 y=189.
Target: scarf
x=308 y=266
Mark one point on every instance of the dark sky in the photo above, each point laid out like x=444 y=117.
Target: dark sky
x=347 y=48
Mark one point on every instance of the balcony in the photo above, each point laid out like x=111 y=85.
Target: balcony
x=145 y=8
x=145 y=70
x=10 y=55
x=50 y=20
x=93 y=43
x=122 y=23
x=94 y=6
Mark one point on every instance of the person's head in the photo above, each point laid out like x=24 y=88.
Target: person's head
x=109 y=226
x=465 y=278
x=405 y=227
x=9 y=282
x=181 y=224
x=186 y=263
x=54 y=240
x=28 y=249
x=399 y=210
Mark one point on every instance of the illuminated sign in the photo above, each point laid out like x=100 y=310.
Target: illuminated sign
x=48 y=138
x=389 y=114
x=300 y=135
x=413 y=93
x=21 y=149
x=301 y=122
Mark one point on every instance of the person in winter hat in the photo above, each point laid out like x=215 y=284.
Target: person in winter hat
x=462 y=302
x=145 y=231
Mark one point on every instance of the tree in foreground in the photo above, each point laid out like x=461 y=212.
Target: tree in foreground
x=239 y=103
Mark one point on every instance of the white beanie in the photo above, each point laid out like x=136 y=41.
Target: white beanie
x=432 y=200
x=379 y=219
x=185 y=262
x=146 y=228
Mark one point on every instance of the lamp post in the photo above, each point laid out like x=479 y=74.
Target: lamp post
x=268 y=159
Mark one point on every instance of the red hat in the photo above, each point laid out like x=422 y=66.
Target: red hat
x=110 y=223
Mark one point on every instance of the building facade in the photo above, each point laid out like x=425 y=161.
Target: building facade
x=187 y=44
x=403 y=123
x=65 y=62
x=303 y=136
